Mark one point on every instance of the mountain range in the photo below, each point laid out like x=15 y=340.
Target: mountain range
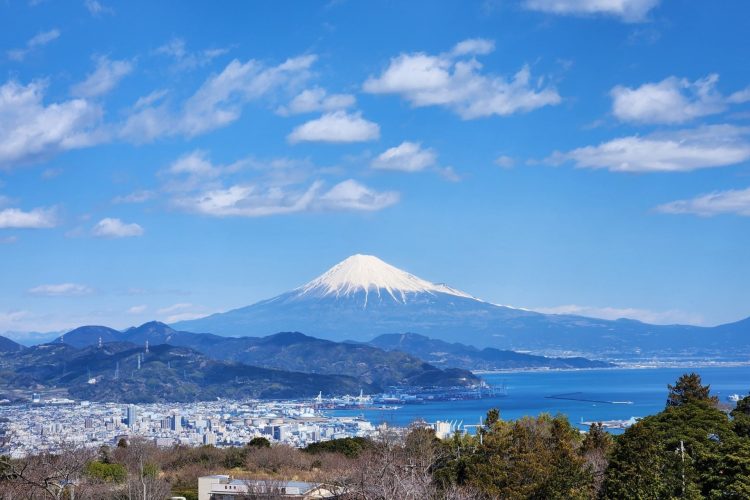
x=154 y=362
x=440 y=353
x=125 y=372
x=363 y=297
x=289 y=351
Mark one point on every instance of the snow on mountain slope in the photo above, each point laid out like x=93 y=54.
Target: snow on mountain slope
x=363 y=297
x=367 y=273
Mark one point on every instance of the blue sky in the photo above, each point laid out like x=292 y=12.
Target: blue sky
x=165 y=160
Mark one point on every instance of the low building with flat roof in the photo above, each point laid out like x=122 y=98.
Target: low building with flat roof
x=221 y=487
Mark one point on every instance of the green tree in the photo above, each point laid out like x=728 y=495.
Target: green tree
x=637 y=466
x=679 y=452
x=107 y=472
x=690 y=389
x=741 y=417
x=530 y=458
x=348 y=446
x=259 y=442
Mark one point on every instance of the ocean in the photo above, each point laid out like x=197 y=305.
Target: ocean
x=590 y=395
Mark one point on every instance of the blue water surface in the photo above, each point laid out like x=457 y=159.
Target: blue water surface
x=528 y=393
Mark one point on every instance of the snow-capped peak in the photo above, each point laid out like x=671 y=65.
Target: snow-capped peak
x=369 y=274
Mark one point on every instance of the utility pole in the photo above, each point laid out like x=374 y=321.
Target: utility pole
x=682 y=456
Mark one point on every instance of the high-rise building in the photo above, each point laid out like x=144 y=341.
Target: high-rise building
x=176 y=422
x=132 y=415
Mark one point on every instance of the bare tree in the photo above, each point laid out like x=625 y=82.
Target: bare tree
x=395 y=467
x=264 y=488
x=144 y=483
x=46 y=475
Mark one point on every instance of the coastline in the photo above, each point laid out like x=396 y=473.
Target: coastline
x=625 y=366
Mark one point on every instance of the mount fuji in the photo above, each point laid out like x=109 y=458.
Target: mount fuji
x=363 y=297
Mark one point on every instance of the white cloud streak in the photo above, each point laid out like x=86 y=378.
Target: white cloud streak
x=39 y=40
x=31 y=130
x=613 y=313
x=406 y=157
x=104 y=78
x=457 y=82
x=338 y=126
x=96 y=8
x=254 y=200
x=135 y=197
x=61 y=290
x=732 y=201
x=186 y=60
x=115 y=228
x=38 y=218
x=678 y=151
x=672 y=100
x=630 y=11
x=316 y=100
x=278 y=187
x=219 y=101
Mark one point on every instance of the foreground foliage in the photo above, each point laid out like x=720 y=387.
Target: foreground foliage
x=692 y=449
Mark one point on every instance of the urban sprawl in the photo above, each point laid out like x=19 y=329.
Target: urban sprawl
x=52 y=425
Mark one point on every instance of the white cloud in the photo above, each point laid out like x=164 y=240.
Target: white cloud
x=150 y=99
x=194 y=170
x=219 y=101
x=337 y=126
x=38 y=218
x=7 y=240
x=255 y=200
x=96 y=8
x=220 y=98
x=473 y=46
x=678 y=151
x=458 y=83
x=139 y=309
x=51 y=173
x=174 y=308
x=249 y=200
x=31 y=130
x=316 y=99
x=104 y=78
x=135 y=197
x=628 y=10
x=612 y=313
x=11 y=320
x=406 y=157
x=61 y=290
x=39 y=40
x=254 y=188
x=186 y=60
x=194 y=163
x=184 y=316
x=180 y=312
x=505 y=161
x=115 y=228
x=739 y=97
x=733 y=201
x=351 y=195
x=673 y=100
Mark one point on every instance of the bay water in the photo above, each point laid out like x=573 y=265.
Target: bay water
x=581 y=395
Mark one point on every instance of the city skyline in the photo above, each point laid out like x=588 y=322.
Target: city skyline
x=567 y=157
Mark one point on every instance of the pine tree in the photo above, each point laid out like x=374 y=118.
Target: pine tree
x=689 y=389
